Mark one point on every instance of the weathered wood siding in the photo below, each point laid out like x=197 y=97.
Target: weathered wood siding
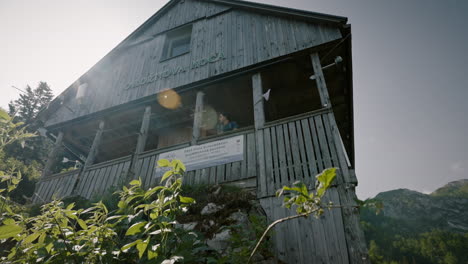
x=101 y=177
x=297 y=149
x=308 y=240
x=55 y=186
x=231 y=40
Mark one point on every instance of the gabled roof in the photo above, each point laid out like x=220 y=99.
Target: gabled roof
x=251 y=6
x=235 y=4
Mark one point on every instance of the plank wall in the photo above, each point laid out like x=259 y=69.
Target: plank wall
x=308 y=240
x=241 y=38
x=297 y=149
x=55 y=186
x=102 y=177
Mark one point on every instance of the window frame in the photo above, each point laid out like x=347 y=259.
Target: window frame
x=173 y=36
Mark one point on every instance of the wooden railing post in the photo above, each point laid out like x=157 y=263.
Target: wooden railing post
x=142 y=136
x=53 y=154
x=197 y=119
x=94 y=147
x=259 y=118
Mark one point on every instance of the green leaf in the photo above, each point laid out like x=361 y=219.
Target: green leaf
x=325 y=179
x=70 y=206
x=166 y=175
x=42 y=238
x=15 y=180
x=122 y=204
x=129 y=245
x=152 y=254
x=178 y=165
x=186 y=199
x=163 y=163
x=49 y=247
x=141 y=247
x=295 y=189
x=160 y=231
x=9 y=221
x=31 y=238
x=135 y=182
x=304 y=190
x=135 y=228
x=8 y=231
x=82 y=224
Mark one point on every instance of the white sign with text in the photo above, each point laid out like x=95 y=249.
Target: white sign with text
x=209 y=154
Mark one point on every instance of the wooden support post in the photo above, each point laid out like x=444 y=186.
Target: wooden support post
x=142 y=136
x=95 y=147
x=325 y=101
x=259 y=113
x=197 y=119
x=320 y=80
x=259 y=117
x=355 y=240
x=53 y=154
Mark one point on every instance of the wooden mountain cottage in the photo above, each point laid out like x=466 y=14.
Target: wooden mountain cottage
x=244 y=93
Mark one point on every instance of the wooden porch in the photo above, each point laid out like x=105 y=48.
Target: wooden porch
x=292 y=149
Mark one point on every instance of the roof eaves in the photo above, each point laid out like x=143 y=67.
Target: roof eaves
x=283 y=10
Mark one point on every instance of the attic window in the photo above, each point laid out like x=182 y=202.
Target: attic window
x=81 y=91
x=177 y=42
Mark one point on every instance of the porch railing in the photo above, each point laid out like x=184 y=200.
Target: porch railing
x=55 y=186
x=293 y=149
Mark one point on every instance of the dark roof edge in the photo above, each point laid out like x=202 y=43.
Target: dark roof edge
x=283 y=10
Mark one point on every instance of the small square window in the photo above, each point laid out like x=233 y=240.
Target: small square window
x=177 y=42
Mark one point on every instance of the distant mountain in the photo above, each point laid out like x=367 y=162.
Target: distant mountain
x=445 y=209
x=453 y=189
x=413 y=227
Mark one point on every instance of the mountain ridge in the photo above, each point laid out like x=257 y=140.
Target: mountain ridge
x=446 y=208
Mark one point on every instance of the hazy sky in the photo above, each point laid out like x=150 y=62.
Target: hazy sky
x=409 y=60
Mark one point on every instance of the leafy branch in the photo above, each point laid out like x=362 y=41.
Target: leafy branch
x=306 y=203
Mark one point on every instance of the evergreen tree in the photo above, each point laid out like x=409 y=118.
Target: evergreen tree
x=26 y=108
x=28 y=105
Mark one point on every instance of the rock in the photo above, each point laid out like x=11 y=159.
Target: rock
x=189 y=226
x=257 y=258
x=211 y=208
x=240 y=218
x=217 y=191
x=220 y=242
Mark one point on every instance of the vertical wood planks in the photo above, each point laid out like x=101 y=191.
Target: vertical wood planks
x=276 y=164
x=308 y=240
x=268 y=162
x=283 y=179
x=303 y=156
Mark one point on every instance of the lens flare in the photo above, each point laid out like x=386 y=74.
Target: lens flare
x=209 y=117
x=169 y=99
